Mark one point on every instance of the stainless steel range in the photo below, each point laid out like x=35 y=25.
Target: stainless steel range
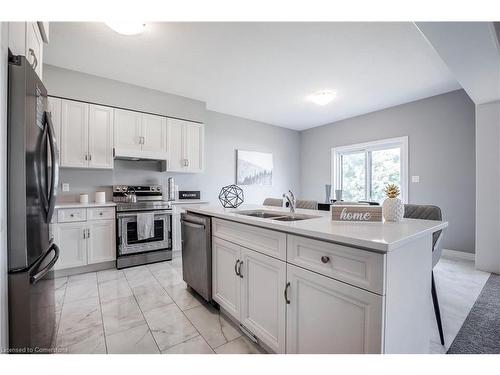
x=144 y=225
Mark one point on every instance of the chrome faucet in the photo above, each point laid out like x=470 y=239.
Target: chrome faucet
x=291 y=200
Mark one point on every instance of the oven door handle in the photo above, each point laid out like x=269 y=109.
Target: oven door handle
x=134 y=214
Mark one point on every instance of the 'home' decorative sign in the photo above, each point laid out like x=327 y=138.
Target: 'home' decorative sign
x=357 y=213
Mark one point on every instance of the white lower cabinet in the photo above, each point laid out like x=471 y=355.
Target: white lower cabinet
x=328 y=316
x=249 y=286
x=225 y=280
x=263 y=308
x=101 y=241
x=71 y=239
x=84 y=236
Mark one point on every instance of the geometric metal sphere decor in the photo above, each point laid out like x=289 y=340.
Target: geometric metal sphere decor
x=231 y=196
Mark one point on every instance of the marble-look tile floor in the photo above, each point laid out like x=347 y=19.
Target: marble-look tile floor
x=145 y=309
x=149 y=309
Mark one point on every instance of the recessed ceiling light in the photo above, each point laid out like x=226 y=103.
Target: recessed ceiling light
x=127 y=28
x=322 y=97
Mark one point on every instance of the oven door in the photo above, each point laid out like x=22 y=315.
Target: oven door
x=127 y=234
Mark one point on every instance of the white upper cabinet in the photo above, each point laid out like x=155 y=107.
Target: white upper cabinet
x=186 y=142
x=86 y=139
x=175 y=137
x=100 y=137
x=140 y=135
x=154 y=134
x=128 y=129
x=195 y=134
x=74 y=134
x=26 y=39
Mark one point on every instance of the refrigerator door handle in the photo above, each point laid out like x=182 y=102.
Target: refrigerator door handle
x=54 y=182
x=41 y=273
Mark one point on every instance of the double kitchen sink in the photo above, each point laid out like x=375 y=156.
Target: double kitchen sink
x=276 y=215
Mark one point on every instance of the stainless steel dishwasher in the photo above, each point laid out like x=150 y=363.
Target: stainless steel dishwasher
x=197 y=253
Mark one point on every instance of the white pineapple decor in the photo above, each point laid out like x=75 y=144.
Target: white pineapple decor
x=392 y=208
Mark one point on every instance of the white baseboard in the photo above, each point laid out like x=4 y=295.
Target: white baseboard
x=454 y=254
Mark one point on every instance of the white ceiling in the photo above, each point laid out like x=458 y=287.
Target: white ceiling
x=263 y=71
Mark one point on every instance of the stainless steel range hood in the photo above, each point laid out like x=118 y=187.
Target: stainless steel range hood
x=131 y=155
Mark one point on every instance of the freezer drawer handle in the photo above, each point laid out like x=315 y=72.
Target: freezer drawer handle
x=53 y=247
x=193 y=225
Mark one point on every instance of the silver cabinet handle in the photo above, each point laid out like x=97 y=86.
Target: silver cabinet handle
x=236 y=267
x=86 y=157
x=90 y=157
x=239 y=270
x=286 y=293
x=88 y=233
x=35 y=60
x=325 y=259
x=84 y=234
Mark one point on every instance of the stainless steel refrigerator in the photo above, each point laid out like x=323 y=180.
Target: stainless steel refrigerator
x=33 y=173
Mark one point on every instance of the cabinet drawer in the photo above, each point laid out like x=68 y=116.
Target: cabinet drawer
x=266 y=241
x=70 y=215
x=354 y=266
x=101 y=213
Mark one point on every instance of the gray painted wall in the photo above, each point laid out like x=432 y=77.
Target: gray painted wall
x=223 y=135
x=488 y=186
x=4 y=321
x=80 y=86
x=441 y=151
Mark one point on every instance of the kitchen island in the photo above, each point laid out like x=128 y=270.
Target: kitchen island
x=318 y=286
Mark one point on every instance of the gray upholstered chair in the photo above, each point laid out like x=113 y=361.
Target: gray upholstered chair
x=429 y=212
x=276 y=202
x=309 y=205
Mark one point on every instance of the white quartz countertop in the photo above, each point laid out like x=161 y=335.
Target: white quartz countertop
x=84 y=205
x=189 y=201
x=381 y=237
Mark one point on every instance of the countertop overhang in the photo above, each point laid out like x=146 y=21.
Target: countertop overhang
x=381 y=237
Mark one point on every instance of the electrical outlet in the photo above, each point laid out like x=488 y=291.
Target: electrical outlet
x=415 y=179
x=65 y=187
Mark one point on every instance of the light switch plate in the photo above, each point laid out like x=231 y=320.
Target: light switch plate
x=415 y=178
x=65 y=187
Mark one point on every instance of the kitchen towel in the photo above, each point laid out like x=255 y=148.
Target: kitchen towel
x=145 y=225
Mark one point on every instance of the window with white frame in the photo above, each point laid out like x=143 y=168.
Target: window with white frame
x=362 y=170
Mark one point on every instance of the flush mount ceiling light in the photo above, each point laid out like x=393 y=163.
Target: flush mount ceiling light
x=322 y=97
x=127 y=28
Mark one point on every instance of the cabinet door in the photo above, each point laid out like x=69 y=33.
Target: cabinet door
x=127 y=131
x=100 y=137
x=34 y=47
x=263 y=307
x=101 y=241
x=55 y=110
x=326 y=316
x=74 y=134
x=194 y=146
x=175 y=140
x=154 y=133
x=225 y=282
x=72 y=244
